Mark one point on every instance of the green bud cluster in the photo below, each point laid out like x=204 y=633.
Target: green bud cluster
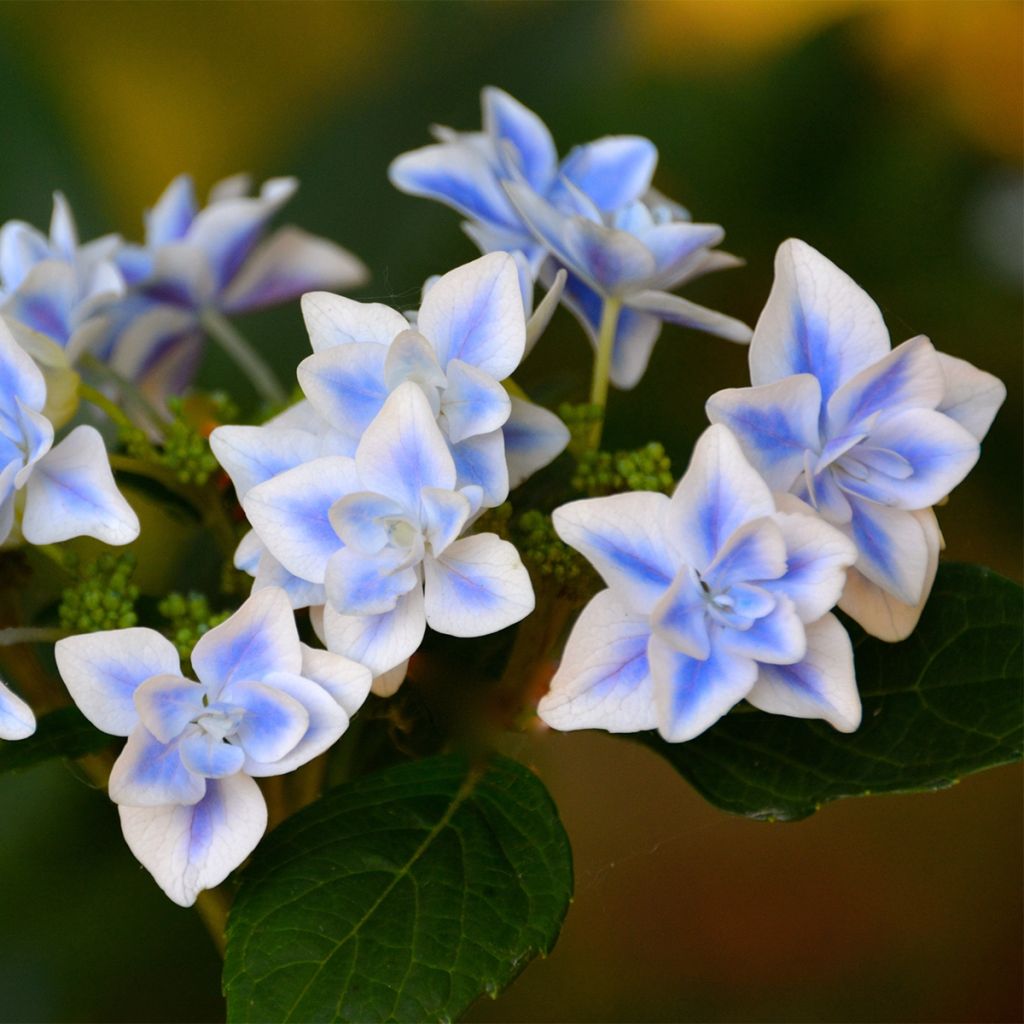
x=579 y=418
x=549 y=557
x=103 y=597
x=645 y=469
x=190 y=617
x=185 y=450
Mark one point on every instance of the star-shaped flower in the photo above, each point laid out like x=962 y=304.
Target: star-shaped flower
x=470 y=335
x=468 y=170
x=381 y=533
x=868 y=437
x=714 y=595
x=264 y=705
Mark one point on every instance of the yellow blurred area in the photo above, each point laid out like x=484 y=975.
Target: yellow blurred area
x=968 y=53
x=215 y=88
x=157 y=88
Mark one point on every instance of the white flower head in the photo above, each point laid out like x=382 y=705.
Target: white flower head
x=470 y=335
x=264 y=705
x=380 y=532
x=714 y=596
x=869 y=438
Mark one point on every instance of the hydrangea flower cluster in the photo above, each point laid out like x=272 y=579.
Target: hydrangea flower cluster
x=144 y=309
x=264 y=705
x=366 y=499
x=409 y=435
x=594 y=214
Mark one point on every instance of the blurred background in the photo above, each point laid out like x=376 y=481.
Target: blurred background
x=886 y=134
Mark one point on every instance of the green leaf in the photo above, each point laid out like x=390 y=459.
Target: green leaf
x=942 y=704
x=62 y=733
x=402 y=896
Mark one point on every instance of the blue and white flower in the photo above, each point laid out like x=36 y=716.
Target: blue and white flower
x=381 y=532
x=630 y=256
x=264 y=705
x=57 y=287
x=470 y=335
x=16 y=719
x=219 y=260
x=715 y=595
x=468 y=171
x=68 y=488
x=868 y=437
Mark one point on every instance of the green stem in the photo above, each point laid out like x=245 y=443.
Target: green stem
x=128 y=390
x=30 y=635
x=100 y=400
x=249 y=361
x=212 y=906
x=602 y=366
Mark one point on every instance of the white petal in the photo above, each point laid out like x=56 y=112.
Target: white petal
x=252 y=455
x=719 y=492
x=691 y=695
x=188 y=849
x=876 y=610
x=892 y=549
x=821 y=685
x=102 y=671
x=603 y=681
x=71 y=493
x=403 y=450
x=775 y=424
x=817 y=557
x=334 y=320
x=624 y=537
x=261 y=637
x=148 y=773
x=347 y=682
x=474 y=402
x=380 y=642
x=327 y=721
x=475 y=313
x=817 y=320
x=534 y=437
x=16 y=718
x=290 y=512
x=477 y=586
x=345 y=384
x=387 y=683
x=972 y=396
x=287 y=264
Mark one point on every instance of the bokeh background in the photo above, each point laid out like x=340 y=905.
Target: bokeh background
x=887 y=134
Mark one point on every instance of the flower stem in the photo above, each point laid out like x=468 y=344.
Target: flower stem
x=212 y=906
x=30 y=635
x=149 y=416
x=249 y=361
x=100 y=400
x=602 y=366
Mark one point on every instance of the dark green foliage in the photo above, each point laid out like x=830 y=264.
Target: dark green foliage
x=61 y=733
x=403 y=896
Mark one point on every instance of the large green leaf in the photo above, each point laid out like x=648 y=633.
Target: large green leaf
x=62 y=733
x=941 y=704
x=402 y=896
